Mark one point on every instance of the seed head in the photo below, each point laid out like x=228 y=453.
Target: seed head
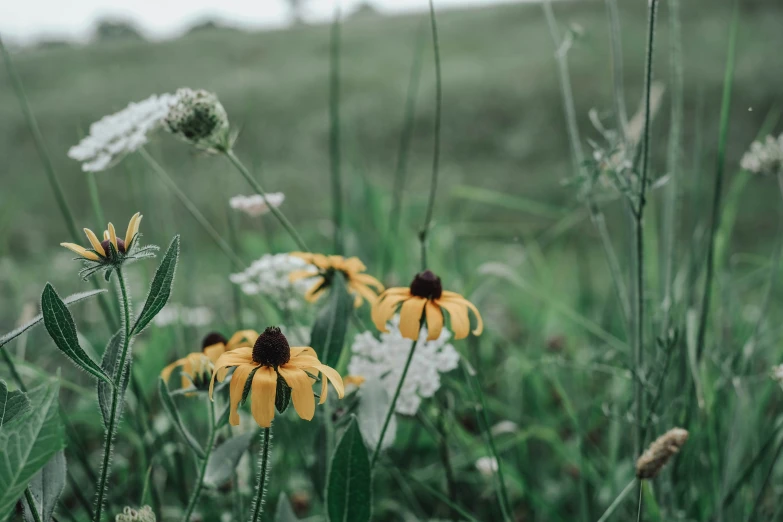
x=199 y=118
x=107 y=249
x=271 y=348
x=426 y=284
x=213 y=338
x=658 y=454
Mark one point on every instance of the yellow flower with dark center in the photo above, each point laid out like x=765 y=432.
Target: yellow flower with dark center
x=425 y=298
x=197 y=367
x=101 y=251
x=359 y=285
x=271 y=359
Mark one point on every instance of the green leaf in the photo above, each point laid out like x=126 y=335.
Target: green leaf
x=12 y=404
x=224 y=417
x=374 y=403
x=331 y=325
x=27 y=444
x=47 y=486
x=160 y=289
x=173 y=413
x=282 y=395
x=109 y=362
x=71 y=299
x=349 y=488
x=223 y=461
x=285 y=513
x=62 y=330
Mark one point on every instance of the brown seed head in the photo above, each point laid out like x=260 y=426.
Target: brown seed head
x=271 y=348
x=427 y=285
x=213 y=338
x=658 y=454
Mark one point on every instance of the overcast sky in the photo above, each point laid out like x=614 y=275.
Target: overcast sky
x=23 y=21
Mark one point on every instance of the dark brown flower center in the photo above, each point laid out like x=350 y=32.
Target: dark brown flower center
x=271 y=348
x=107 y=249
x=213 y=338
x=426 y=284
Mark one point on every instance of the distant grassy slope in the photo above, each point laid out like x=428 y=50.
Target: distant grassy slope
x=503 y=123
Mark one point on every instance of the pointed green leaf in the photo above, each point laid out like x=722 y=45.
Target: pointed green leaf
x=62 y=330
x=47 y=486
x=331 y=324
x=374 y=403
x=173 y=413
x=349 y=488
x=160 y=289
x=285 y=513
x=71 y=299
x=27 y=444
x=282 y=395
x=111 y=356
x=223 y=461
x=12 y=404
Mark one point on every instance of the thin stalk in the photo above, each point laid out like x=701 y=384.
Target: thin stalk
x=376 y=453
x=746 y=474
x=203 y=470
x=617 y=501
x=28 y=495
x=436 y=144
x=767 y=477
x=334 y=133
x=51 y=175
x=116 y=397
x=719 y=174
x=258 y=506
x=403 y=150
x=194 y=211
x=260 y=191
x=236 y=294
x=437 y=494
x=95 y=197
x=621 y=114
x=445 y=458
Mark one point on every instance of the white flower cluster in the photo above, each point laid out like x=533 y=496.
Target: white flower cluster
x=384 y=360
x=255 y=205
x=179 y=314
x=764 y=157
x=198 y=117
x=487 y=466
x=144 y=514
x=269 y=276
x=777 y=373
x=123 y=132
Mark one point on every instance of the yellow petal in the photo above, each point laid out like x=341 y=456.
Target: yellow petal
x=362 y=290
x=105 y=235
x=81 y=251
x=94 y=241
x=368 y=280
x=302 y=351
x=214 y=351
x=315 y=291
x=461 y=300
x=410 y=317
x=166 y=373
x=237 y=387
x=227 y=361
x=132 y=228
x=113 y=236
x=383 y=309
x=243 y=338
x=301 y=390
x=334 y=378
x=263 y=396
x=434 y=321
x=458 y=314
x=356 y=380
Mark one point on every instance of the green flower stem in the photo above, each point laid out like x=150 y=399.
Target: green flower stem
x=258 y=507
x=28 y=495
x=116 y=398
x=260 y=191
x=389 y=413
x=334 y=133
x=617 y=501
x=203 y=471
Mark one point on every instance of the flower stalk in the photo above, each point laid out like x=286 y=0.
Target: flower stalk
x=263 y=472
x=194 y=497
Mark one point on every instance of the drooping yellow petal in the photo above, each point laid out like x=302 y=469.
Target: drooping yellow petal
x=434 y=321
x=465 y=302
x=242 y=338
x=315 y=291
x=238 y=381
x=302 y=351
x=362 y=291
x=368 y=280
x=383 y=309
x=333 y=377
x=93 y=239
x=92 y=256
x=410 y=317
x=296 y=275
x=132 y=228
x=262 y=402
x=227 y=361
x=113 y=236
x=166 y=373
x=458 y=314
x=301 y=390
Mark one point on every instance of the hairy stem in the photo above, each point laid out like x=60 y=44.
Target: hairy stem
x=28 y=495
x=258 y=506
x=203 y=470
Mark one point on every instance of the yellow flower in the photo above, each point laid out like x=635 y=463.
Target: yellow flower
x=100 y=250
x=425 y=298
x=271 y=359
x=359 y=284
x=197 y=366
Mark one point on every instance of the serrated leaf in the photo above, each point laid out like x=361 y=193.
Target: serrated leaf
x=62 y=330
x=223 y=461
x=285 y=513
x=160 y=289
x=173 y=413
x=12 y=404
x=349 y=488
x=47 y=486
x=27 y=444
x=374 y=403
x=282 y=395
x=331 y=325
x=71 y=299
x=109 y=364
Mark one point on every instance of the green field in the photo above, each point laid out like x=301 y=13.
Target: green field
x=509 y=233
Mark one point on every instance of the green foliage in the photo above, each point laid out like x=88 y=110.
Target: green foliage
x=224 y=459
x=171 y=410
x=111 y=356
x=46 y=487
x=331 y=325
x=285 y=513
x=12 y=403
x=27 y=443
x=374 y=403
x=349 y=488
x=160 y=289
x=62 y=330
x=282 y=395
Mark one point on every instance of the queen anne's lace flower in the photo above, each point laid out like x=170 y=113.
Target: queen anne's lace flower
x=487 y=466
x=765 y=157
x=777 y=373
x=174 y=313
x=255 y=205
x=198 y=117
x=384 y=360
x=269 y=276
x=144 y=514
x=115 y=135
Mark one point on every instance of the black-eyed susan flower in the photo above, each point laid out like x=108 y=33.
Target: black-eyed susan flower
x=425 y=298
x=359 y=285
x=266 y=365
x=112 y=251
